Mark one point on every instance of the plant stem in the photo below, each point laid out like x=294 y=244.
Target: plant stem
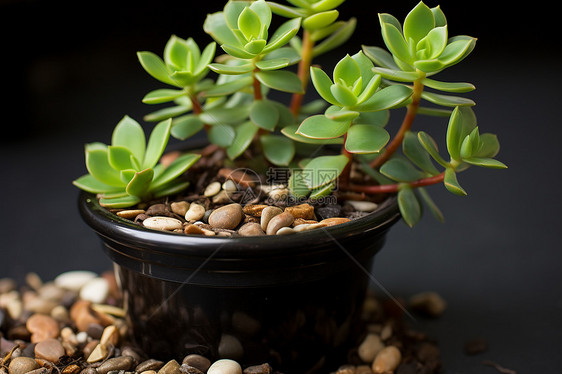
x=393 y=188
x=345 y=174
x=303 y=72
x=257 y=86
x=197 y=109
x=404 y=128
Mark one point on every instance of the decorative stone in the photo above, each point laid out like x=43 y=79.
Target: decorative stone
x=281 y=220
x=200 y=362
x=369 y=347
x=280 y=193
x=130 y=213
x=171 y=367
x=22 y=365
x=387 y=360
x=223 y=197
x=212 y=189
x=225 y=366
x=50 y=350
x=162 y=223
x=304 y=211
x=188 y=369
x=193 y=230
x=251 y=229
x=74 y=280
x=150 y=364
x=362 y=206
x=99 y=353
x=195 y=212
x=95 y=291
x=110 y=335
x=242 y=177
x=335 y=221
x=308 y=226
x=42 y=327
x=115 y=363
x=229 y=186
x=267 y=214
x=429 y=303
x=259 y=369
x=254 y=210
x=285 y=231
x=180 y=207
x=230 y=347
x=226 y=217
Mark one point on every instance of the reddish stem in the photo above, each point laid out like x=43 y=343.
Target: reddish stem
x=257 y=87
x=197 y=109
x=303 y=72
x=393 y=188
x=345 y=174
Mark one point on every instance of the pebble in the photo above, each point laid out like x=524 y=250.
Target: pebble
x=304 y=211
x=284 y=219
x=150 y=364
x=180 y=207
x=200 y=362
x=115 y=363
x=223 y=197
x=50 y=350
x=254 y=210
x=162 y=223
x=226 y=217
x=428 y=303
x=277 y=194
x=74 y=280
x=230 y=347
x=7 y=285
x=171 y=367
x=335 y=221
x=42 y=327
x=369 y=347
x=362 y=206
x=195 y=212
x=225 y=366
x=130 y=213
x=285 y=231
x=251 y=229
x=239 y=176
x=188 y=369
x=387 y=360
x=99 y=353
x=212 y=189
x=229 y=186
x=259 y=369
x=95 y=291
x=308 y=226
x=110 y=335
x=193 y=229
x=22 y=365
x=267 y=214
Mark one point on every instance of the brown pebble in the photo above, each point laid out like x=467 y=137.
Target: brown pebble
x=200 y=362
x=363 y=369
x=267 y=214
x=110 y=335
x=301 y=221
x=150 y=364
x=22 y=365
x=259 y=369
x=387 y=360
x=335 y=221
x=241 y=177
x=284 y=219
x=116 y=363
x=193 y=229
x=42 y=327
x=89 y=370
x=254 y=209
x=98 y=354
x=179 y=207
x=226 y=217
x=251 y=229
x=50 y=350
x=71 y=369
x=304 y=211
x=171 y=367
x=82 y=314
x=188 y=369
x=130 y=213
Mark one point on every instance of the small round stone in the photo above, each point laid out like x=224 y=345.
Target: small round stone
x=212 y=189
x=335 y=221
x=195 y=212
x=180 y=207
x=304 y=211
x=99 y=353
x=259 y=369
x=368 y=349
x=362 y=206
x=95 y=291
x=110 y=335
x=200 y=362
x=251 y=229
x=284 y=219
x=50 y=350
x=22 y=365
x=188 y=369
x=162 y=223
x=429 y=303
x=150 y=364
x=308 y=226
x=230 y=347
x=285 y=231
x=191 y=229
x=226 y=217
x=74 y=280
x=171 y=367
x=229 y=186
x=115 y=363
x=130 y=213
x=225 y=366
x=42 y=327
x=387 y=360
x=267 y=214
x=254 y=210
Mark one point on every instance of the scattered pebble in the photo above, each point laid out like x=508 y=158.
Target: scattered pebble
x=370 y=347
x=180 y=207
x=130 y=213
x=251 y=229
x=212 y=189
x=304 y=211
x=74 y=280
x=95 y=291
x=226 y=217
x=162 y=223
x=42 y=327
x=200 y=362
x=362 y=206
x=225 y=366
x=195 y=212
x=284 y=219
x=50 y=350
x=267 y=214
x=22 y=365
x=387 y=360
x=429 y=303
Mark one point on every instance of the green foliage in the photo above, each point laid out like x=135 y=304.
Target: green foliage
x=127 y=171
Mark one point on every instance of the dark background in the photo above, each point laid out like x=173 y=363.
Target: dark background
x=70 y=73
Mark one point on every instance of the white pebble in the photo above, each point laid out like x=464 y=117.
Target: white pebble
x=195 y=212
x=225 y=366
x=229 y=186
x=363 y=206
x=96 y=290
x=212 y=189
x=82 y=337
x=162 y=223
x=74 y=280
x=370 y=347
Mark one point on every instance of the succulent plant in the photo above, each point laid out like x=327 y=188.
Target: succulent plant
x=127 y=171
x=229 y=97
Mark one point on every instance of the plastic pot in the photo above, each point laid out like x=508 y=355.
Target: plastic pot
x=290 y=300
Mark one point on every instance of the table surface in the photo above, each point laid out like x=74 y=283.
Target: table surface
x=495 y=260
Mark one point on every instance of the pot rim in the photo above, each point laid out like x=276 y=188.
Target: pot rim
x=121 y=230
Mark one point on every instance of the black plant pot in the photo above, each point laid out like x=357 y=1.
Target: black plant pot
x=290 y=300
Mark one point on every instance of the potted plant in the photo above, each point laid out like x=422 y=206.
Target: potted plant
x=257 y=245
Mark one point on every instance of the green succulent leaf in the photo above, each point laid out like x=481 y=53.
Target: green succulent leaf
x=119 y=202
x=281 y=80
x=231 y=69
x=459 y=87
x=286 y=11
x=432 y=45
x=120 y=157
x=98 y=166
x=156 y=67
x=162 y=96
x=221 y=135
x=380 y=57
x=323 y=170
x=387 y=98
x=397 y=75
x=139 y=184
x=264 y=114
x=126 y=176
x=255 y=47
x=429 y=144
x=249 y=23
x=129 y=134
x=485 y=162
x=320 y=20
x=245 y=132
x=165 y=113
x=395 y=42
x=321 y=127
x=225 y=115
x=457 y=49
x=90 y=184
x=157 y=143
x=283 y=34
x=452 y=184
x=434 y=112
x=291 y=133
x=297 y=184
x=379 y=118
x=448 y=101
x=428 y=201
x=276 y=64
x=416 y=153
x=418 y=23
x=401 y=170
x=461 y=123
x=324 y=5
x=186 y=126
x=174 y=170
x=409 y=206
x=229 y=87
x=339 y=114
x=366 y=139
x=336 y=38
x=323 y=84
x=278 y=150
